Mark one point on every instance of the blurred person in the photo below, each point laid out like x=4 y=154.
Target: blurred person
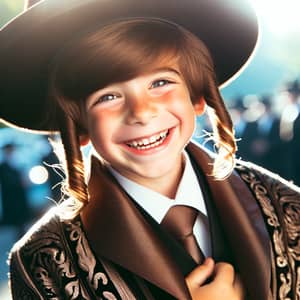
x=266 y=144
x=290 y=130
x=244 y=117
x=236 y=110
x=242 y=128
x=15 y=206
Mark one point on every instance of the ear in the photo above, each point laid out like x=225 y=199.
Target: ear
x=200 y=106
x=84 y=139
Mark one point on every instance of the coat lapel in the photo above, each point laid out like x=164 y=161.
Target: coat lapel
x=243 y=224
x=121 y=225
x=118 y=231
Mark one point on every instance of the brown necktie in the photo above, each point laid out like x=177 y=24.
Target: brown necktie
x=179 y=222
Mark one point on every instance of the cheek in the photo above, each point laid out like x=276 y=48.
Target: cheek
x=99 y=127
x=181 y=105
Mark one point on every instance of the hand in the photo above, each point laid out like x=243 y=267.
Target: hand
x=224 y=283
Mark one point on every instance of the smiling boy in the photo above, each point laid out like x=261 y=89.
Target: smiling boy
x=132 y=82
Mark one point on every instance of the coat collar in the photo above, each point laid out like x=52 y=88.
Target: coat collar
x=151 y=258
x=121 y=234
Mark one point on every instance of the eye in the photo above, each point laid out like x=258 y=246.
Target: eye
x=107 y=97
x=160 y=83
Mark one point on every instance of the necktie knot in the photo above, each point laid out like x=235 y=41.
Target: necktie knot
x=179 y=222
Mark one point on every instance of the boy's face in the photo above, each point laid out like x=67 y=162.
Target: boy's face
x=141 y=126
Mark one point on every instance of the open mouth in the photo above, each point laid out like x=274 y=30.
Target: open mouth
x=150 y=142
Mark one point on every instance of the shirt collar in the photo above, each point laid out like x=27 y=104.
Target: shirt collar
x=156 y=204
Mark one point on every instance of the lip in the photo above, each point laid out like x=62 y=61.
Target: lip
x=151 y=150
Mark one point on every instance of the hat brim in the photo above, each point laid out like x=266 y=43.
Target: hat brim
x=28 y=43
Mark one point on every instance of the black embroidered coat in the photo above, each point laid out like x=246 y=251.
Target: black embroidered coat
x=115 y=250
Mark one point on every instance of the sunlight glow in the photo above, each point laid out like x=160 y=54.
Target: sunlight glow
x=281 y=17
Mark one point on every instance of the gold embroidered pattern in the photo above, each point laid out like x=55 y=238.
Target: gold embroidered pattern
x=280 y=204
x=86 y=260
x=51 y=267
x=57 y=257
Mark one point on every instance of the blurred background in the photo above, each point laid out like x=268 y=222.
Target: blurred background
x=263 y=102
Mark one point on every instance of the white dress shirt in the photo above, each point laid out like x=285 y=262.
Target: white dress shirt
x=157 y=205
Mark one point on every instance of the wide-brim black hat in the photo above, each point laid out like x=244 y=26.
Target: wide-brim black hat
x=29 y=42
x=294 y=87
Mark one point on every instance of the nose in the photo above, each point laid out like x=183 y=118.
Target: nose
x=141 y=110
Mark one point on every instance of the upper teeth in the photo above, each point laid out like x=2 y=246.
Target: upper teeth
x=147 y=141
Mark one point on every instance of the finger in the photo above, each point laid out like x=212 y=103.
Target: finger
x=200 y=274
x=224 y=272
x=239 y=288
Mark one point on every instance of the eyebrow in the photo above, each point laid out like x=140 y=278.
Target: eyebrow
x=165 y=69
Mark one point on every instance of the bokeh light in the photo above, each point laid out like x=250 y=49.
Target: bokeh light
x=38 y=175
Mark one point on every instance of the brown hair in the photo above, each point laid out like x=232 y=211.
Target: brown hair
x=121 y=51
